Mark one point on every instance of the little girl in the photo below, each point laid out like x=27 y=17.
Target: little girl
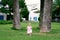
x=29 y=29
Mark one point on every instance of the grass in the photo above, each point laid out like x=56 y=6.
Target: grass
x=7 y=33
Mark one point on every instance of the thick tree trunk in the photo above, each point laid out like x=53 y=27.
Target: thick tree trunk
x=16 y=16
x=46 y=21
x=41 y=12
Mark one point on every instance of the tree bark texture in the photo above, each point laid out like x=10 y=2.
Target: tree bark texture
x=16 y=16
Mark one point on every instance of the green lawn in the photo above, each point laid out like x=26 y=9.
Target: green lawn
x=7 y=33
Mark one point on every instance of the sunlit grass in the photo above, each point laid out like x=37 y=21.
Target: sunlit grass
x=7 y=33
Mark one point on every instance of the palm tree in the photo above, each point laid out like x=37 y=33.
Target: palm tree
x=46 y=19
x=16 y=16
x=41 y=13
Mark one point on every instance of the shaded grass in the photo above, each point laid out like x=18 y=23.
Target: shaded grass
x=7 y=33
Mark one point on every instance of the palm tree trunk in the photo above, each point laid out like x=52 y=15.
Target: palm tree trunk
x=16 y=16
x=41 y=12
x=46 y=20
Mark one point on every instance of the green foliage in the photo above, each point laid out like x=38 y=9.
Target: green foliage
x=22 y=3
x=4 y=10
x=24 y=11
x=21 y=18
x=56 y=4
x=55 y=9
x=4 y=3
x=9 y=2
x=5 y=22
x=39 y=18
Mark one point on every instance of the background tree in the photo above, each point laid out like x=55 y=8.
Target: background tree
x=46 y=20
x=15 y=6
x=22 y=7
x=24 y=11
x=55 y=9
x=8 y=9
x=16 y=16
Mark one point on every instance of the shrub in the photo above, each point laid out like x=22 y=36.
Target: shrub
x=5 y=22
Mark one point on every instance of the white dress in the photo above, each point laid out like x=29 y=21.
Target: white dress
x=29 y=29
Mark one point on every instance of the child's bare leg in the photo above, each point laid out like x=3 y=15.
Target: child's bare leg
x=30 y=34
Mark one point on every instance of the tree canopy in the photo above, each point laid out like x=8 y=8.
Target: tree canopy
x=24 y=11
x=55 y=8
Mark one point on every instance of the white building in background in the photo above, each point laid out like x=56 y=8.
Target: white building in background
x=33 y=5
x=3 y=16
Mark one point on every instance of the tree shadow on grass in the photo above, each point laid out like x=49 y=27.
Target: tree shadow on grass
x=22 y=29
x=53 y=31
